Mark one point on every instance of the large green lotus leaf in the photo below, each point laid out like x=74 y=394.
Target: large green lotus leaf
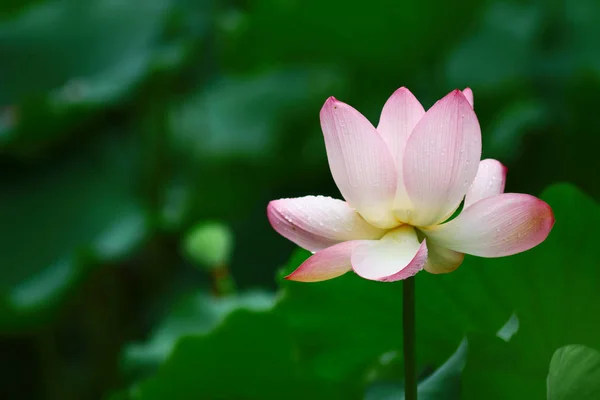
x=196 y=314
x=64 y=58
x=574 y=374
x=59 y=218
x=344 y=324
x=251 y=355
x=493 y=361
x=442 y=384
x=339 y=328
x=553 y=290
x=498 y=369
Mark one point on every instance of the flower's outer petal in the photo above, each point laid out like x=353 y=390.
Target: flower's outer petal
x=468 y=93
x=441 y=159
x=360 y=162
x=399 y=116
x=396 y=256
x=441 y=260
x=327 y=263
x=489 y=181
x=496 y=226
x=317 y=222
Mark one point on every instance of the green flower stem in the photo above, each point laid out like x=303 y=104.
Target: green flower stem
x=408 y=324
x=222 y=281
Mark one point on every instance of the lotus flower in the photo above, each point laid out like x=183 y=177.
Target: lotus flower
x=402 y=182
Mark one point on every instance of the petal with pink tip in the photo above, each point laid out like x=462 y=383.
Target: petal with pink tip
x=468 y=93
x=441 y=159
x=317 y=222
x=489 y=181
x=326 y=264
x=497 y=226
x=441 y=260
x=360 y=162
x=396 y=256
x=399 y=116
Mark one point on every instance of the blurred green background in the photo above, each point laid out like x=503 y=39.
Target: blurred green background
x=140 y=142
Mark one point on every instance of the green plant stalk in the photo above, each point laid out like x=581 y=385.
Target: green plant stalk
x=222 y=281
x=409 y=348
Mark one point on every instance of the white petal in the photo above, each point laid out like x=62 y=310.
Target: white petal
x=441 y=159
x=489 y=181
x=317 y=222
x=468 y=93
x=497 y=226
x=326 y=264
x=441 y=260
x=360 y=162
x=398 y=255
x=399 y=116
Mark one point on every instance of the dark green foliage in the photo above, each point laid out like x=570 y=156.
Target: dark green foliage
x=125 y=124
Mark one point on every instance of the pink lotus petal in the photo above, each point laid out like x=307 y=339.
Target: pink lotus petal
x=317 y=222
x=360 y=162
x=326 y=264
x=489 y=181
x=399 y=116
x=468 y=93
x=398 y=255
x=441 y=159
x=497 y=226
x=441 y=260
